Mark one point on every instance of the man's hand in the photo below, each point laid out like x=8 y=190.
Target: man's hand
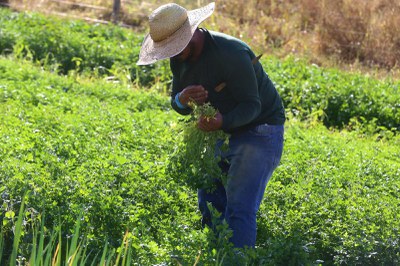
x=195 y=93
x=210 y=124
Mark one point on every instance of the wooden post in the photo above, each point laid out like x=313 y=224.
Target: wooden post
x=116 y=11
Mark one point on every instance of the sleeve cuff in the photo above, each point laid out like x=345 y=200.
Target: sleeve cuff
x=178 y=103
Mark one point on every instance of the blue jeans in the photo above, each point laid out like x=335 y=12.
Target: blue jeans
x=250 y=161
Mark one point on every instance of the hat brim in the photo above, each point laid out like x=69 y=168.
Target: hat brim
x=152 y=52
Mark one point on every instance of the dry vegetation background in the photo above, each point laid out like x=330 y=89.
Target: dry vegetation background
x=351 y=34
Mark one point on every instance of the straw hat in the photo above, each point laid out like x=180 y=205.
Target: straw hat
x=171 y=29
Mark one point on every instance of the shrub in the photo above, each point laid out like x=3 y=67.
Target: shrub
x=75 y=45
x=334 y=96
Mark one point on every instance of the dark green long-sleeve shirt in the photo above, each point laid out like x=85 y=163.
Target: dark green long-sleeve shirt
x=249 y=97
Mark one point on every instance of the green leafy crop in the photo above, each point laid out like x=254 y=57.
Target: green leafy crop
x=194 y=160
x=115 y=159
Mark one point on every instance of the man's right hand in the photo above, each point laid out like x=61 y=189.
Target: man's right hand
x=195 y=93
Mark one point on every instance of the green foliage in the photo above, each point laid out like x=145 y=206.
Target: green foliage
x=331 y=200
x=334 y=97
x=72 y=143
x=67 y=46
x=94 y=154
x=194 y=160
x=307 y=91
x=99 y=150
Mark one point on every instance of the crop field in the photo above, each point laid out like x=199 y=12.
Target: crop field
x=87 y=140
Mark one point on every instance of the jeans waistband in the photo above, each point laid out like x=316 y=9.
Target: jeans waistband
x=268 y=127
x=261 y=127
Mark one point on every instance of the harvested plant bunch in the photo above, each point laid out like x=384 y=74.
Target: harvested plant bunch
x=194 y=161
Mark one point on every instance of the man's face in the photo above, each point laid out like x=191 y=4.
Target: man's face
x=186 y=54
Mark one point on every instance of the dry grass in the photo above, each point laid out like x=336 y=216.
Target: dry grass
x=352 y=34
x=360 y=30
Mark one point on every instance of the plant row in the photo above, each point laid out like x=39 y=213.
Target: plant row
x=339 y=99
x=71 y=45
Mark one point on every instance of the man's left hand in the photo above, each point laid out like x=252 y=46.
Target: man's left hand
x=210 y=124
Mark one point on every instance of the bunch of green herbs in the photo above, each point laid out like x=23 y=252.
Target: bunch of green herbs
x=195 y=161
